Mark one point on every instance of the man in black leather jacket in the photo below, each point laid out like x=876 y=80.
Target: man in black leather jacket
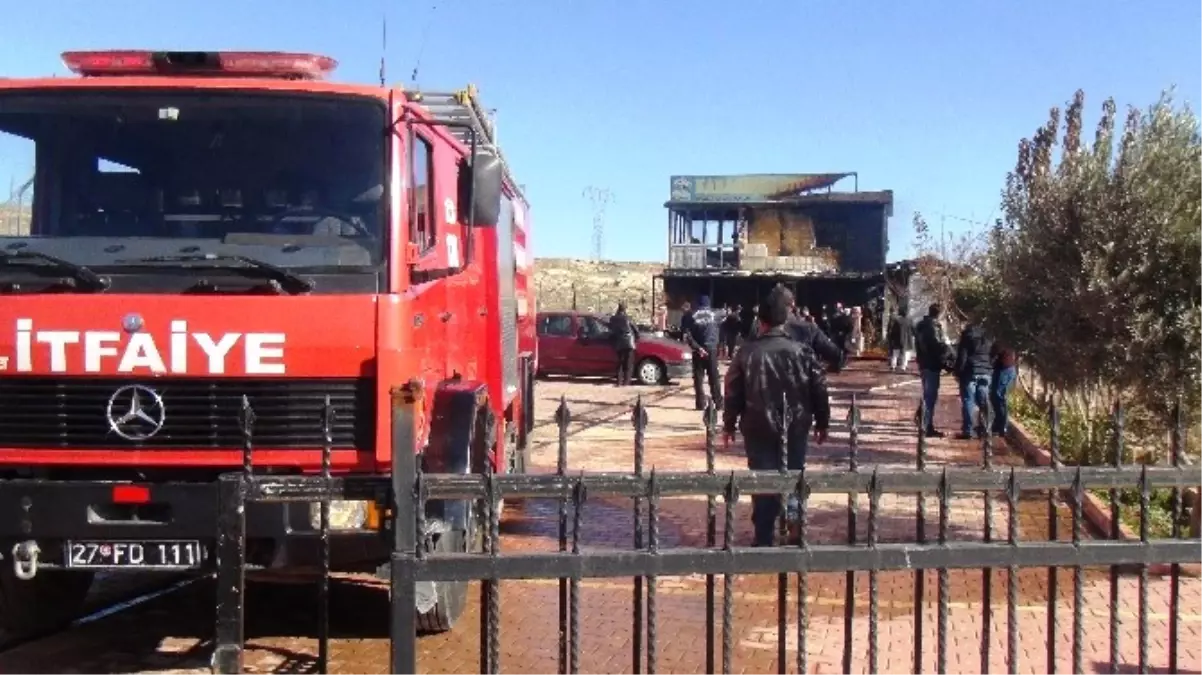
x=625 y=336
x=934 y=356
x=775 y=387
x=974 y=370
x=807 y=333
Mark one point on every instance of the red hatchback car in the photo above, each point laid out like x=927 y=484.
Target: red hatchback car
x=579 y=343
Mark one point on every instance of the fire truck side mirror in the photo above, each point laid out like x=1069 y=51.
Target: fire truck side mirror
x=480 y=188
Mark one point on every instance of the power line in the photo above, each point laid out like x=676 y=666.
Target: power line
x=421 y=45
x=600 y=198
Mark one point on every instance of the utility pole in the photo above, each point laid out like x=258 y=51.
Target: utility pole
x=600 y=198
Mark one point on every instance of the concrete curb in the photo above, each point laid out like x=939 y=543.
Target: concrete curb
x=1093 y=509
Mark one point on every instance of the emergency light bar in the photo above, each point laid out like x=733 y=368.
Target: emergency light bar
x=286 y=65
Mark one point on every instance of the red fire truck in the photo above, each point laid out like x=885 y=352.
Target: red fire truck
x=223 y=249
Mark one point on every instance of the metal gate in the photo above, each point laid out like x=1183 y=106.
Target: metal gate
x=721 y=559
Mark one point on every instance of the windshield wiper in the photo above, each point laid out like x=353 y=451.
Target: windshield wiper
x=289 y=281
x=80 y=274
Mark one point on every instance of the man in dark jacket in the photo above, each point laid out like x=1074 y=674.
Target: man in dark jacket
x=973 y=369
x=899 y=339
x=823 y=321
x=807 y=333
x=775 y=387
x=841 y=325
x=624 y=334
x=934 y=356
x=747 y=321
x=731 y=327
x=700 y=328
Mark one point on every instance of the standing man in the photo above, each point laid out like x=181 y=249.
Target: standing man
x=774 y=387
x=857 y=331
x=824 y=321
x=973 y=369
x=840 y=332
x=700 y=328
x=933 y=357
x=730 y=330
x=1005 y=371
x=807 y=333
x=661 y=318
x=747 y=321
x=899 y=338
x=624 y=334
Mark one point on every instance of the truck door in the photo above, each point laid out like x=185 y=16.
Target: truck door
x=427 y=267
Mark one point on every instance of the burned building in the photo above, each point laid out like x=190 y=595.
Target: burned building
x=733 y=238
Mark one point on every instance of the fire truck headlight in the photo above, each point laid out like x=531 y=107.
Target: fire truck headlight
x=344 y=515
x=686 y=356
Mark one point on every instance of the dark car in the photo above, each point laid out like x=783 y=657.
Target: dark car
x=579 y=343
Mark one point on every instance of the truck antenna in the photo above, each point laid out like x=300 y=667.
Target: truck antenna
x=383 y=40
x=599 y=197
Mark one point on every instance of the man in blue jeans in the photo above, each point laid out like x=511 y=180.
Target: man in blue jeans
x=974 y=370
x=1005 y=371
x=933 y=355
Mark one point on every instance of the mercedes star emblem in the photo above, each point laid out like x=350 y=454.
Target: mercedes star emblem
x=135 y=412
x=132 y=323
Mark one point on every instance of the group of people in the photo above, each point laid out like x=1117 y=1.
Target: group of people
x=984 y=368
x=775 y=386
x=846 y=326
x=712 y=334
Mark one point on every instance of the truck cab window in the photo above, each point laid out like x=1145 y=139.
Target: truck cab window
x=103 y=178
x=422 y=168
x=17 y=154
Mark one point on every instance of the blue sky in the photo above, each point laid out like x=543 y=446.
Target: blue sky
x=925 y=98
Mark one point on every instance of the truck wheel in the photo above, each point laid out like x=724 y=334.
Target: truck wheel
x=649 y=371
x=452 y=595
x=516 y=466
x=43 y=604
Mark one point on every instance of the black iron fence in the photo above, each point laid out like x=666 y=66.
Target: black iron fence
x=408 y=491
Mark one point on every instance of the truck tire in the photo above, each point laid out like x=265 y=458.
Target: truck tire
x=516 y=465
x=46 y=603
x=452 y=595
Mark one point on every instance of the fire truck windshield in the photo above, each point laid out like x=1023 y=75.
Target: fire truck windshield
x=101 y=177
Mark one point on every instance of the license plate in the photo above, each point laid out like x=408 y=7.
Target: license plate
x=140 y=554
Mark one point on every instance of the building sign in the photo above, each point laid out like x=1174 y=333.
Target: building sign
x=749 y=187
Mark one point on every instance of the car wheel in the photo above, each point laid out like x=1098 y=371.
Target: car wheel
x=649 y=371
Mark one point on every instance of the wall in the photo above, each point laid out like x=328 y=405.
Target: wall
x=599 y=285
x=12 y=221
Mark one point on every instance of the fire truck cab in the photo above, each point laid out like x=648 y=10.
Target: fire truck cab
x=217 y=258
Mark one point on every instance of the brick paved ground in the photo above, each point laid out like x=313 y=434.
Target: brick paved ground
x=170 y=635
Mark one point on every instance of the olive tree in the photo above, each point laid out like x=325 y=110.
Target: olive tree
x=1095 y=269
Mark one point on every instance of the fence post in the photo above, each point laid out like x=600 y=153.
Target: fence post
x=406 y=406
x=231 y=570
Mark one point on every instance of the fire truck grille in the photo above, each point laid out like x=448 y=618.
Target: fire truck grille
x=40 y=412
